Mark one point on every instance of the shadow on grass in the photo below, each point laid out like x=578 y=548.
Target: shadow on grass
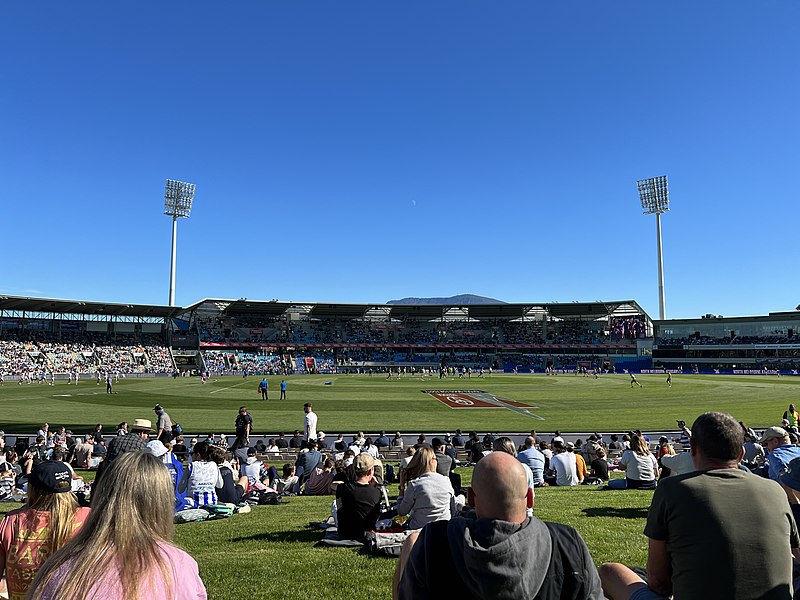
x=616 y=512
x=305 y=536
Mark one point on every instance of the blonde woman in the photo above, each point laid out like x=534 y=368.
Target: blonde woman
x=30 y=534
x=124 y=551
x=640 y=466
x=429 y=495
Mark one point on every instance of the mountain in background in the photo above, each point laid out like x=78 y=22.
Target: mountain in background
x=459 y=299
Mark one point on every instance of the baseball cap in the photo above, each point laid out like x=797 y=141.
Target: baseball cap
x=364 y=462
x=251 y=451
x=157 y=407
x=156 y=448
x=52 y=476
x=570 y=446
x=773 y=433
x=320 y=435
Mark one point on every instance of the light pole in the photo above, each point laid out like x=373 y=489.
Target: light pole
x=178 y=197
x=654 y=195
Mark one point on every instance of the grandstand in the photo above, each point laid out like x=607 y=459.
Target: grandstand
x=741 y=345
x=232 y=336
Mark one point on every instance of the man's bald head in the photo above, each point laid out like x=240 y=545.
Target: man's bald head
x=500 y=487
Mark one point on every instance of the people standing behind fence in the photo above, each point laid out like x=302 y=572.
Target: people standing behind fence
x=119 y=554
x=30 y=534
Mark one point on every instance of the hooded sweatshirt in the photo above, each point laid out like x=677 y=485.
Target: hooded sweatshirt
x=493 y=559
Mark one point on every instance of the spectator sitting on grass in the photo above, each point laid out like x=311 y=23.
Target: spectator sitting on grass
x=83 y=453
x=118 y=553
x=272 y=448
x=48 y=519
x=428 y=496
x=599 y=469
x=204 y=476
x=780 y=451
x=319 y=482
x=718 y=532
x=180 y=476
x=288 y=482
x=533 y=459
x=498 y=553
x=230 y=490
x=563 y=467
x=580 y=463
x=307 y=460
x=640 y=466
x=358 y=503
x=253 y=470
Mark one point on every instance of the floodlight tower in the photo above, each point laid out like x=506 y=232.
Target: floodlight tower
x=178 y=197
x=654 y=195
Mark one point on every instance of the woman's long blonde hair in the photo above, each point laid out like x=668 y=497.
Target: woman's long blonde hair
x=132 y=511
x=60 y=509
x=638 y=445
x=421 y=462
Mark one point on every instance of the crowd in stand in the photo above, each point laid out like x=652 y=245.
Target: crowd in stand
x=260 y=329
x=84 y=353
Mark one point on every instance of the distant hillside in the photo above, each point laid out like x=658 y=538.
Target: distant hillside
x=460 y=299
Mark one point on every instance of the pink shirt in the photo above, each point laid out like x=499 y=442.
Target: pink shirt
x=24 y=546
x=186 y=582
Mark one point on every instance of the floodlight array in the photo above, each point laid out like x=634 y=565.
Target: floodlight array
x=654 y=195
x=178 y=197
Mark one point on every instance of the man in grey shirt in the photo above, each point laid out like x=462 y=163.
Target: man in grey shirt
x=163 y=425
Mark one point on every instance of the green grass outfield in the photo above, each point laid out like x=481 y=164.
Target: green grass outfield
x=565 y=402
x=270 y=553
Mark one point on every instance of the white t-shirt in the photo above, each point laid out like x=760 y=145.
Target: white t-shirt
x=566 y=468
x=310 y=427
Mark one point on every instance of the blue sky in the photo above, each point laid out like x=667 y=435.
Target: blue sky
x=366 y=151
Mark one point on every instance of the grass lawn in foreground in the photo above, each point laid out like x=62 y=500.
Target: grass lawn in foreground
x=270 y=552
x=352 y=403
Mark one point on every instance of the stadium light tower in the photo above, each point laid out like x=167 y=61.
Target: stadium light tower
x=654 y=195
x=178 y=197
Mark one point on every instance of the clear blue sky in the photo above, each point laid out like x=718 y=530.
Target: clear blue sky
x=365 y=151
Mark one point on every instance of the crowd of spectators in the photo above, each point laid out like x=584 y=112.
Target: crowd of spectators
x=81 y=353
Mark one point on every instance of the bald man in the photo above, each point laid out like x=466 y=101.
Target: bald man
x=496 y=551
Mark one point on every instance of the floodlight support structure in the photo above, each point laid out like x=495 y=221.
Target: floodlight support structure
x=662 y=311
x=178 y=198
x=654 y=195
x=173 y=261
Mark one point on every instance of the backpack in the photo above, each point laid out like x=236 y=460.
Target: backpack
x=177 y=430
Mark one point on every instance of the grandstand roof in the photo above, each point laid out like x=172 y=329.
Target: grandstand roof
x=559 y=310
x=78 y=307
